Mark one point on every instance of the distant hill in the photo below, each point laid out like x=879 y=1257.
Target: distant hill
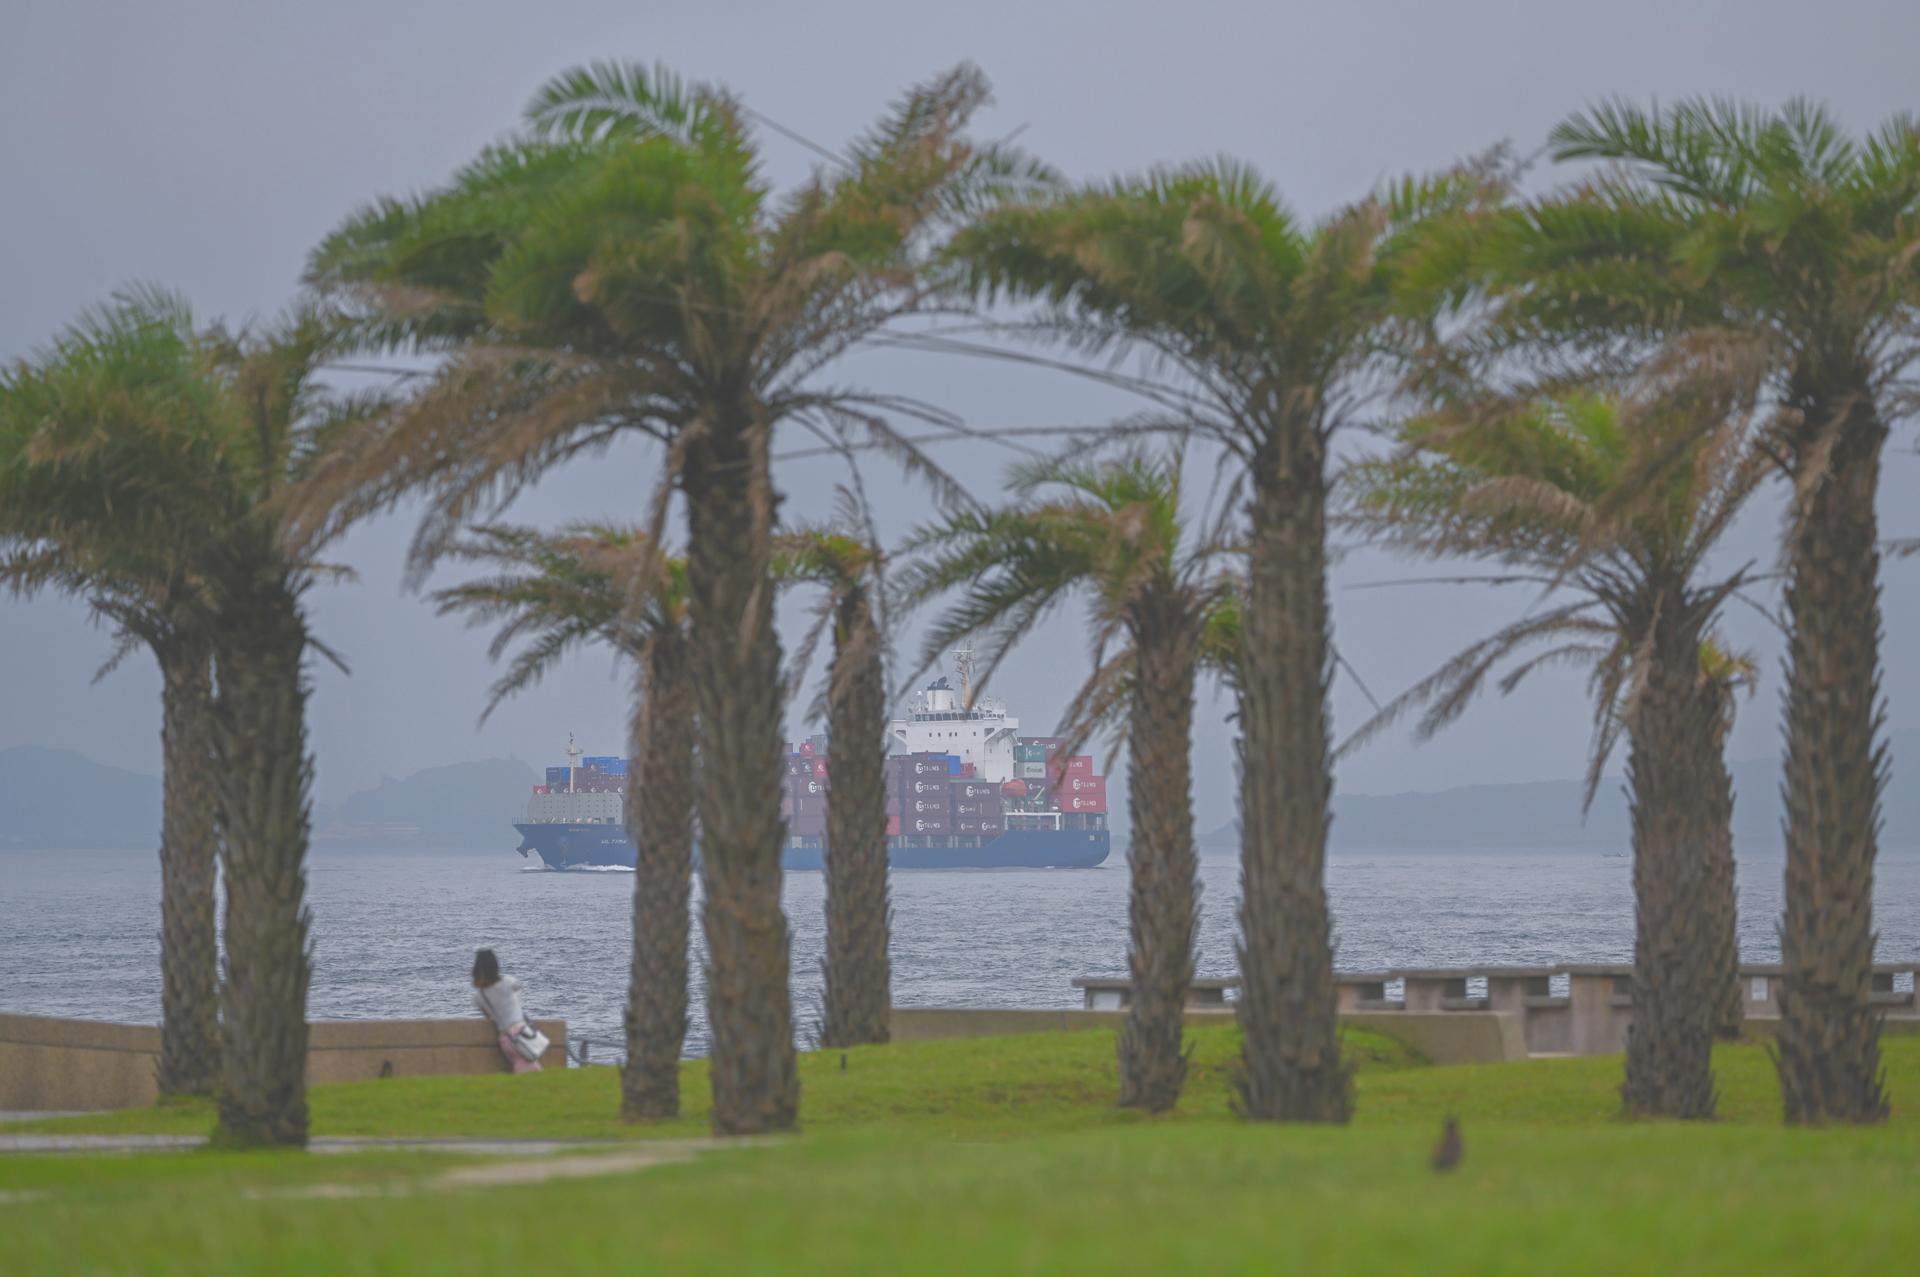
x=462 y=805
x=57 y=798
x=1546 y=815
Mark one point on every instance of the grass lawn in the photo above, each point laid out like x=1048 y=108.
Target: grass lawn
x=991 y=1155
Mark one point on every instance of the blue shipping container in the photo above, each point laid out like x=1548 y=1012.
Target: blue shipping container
x=556 y=776
x=953 y=765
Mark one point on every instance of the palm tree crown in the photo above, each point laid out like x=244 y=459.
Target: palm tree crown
x=1531 y=488
x=590 y=582
x=1110 y=531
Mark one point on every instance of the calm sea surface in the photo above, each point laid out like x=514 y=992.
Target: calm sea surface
x=394 y=931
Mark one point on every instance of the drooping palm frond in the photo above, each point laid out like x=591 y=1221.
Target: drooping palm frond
x=1109 y=531
x=1536 y=487
x=588 y=583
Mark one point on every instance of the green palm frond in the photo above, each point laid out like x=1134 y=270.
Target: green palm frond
x=620 y=268
x=1108 y=531
x=555 y=592
x=1618 y=500
x=604 y=100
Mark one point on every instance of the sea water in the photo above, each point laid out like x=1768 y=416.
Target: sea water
x=394 y=931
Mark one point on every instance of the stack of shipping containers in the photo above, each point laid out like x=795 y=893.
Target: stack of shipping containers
x=976 y=807
x=936 y=796
x=922 y=794
x=804 y=799
x=1055 y=789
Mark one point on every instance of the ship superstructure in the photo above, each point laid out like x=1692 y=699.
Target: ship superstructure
x=965 y=790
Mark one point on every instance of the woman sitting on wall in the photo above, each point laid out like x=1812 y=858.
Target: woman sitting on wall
x=498 y=998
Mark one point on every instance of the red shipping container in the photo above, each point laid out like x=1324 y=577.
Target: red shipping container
x=978 y=826
x=1073 y=765
x=1095 y=786
x=820 y=767
x=927 y=824
x=893 y=805
x=809 y=786
x=924 y=787
x=893 y=825
x=924 y=807
x=1083 y=802
x=973 y=789
x=976 y=807
x=539 y=789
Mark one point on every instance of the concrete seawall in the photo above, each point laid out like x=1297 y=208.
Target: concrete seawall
x=48 y=1063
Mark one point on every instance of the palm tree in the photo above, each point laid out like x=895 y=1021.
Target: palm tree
x=621 y=268
x=1272 y=325
x=1113 y=532
x=1772 y=249
x=601 y=583
x=859 y=988
x=236 y=420
x=132 y=568
x=1530 y=488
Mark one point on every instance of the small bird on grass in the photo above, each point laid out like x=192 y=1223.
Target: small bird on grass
x=1451 y=1148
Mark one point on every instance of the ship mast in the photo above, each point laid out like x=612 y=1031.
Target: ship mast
x=573 y=760
x=963 y=662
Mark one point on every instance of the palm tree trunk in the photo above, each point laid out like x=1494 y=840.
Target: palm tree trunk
x=1829 y=1037
x=739 y=702
x=659 y=810
x=1720 y=903
x=263 y=776
x=1673 y=732
x=1162 y=897
x=859 y=990
x=189 y=839
x=1290 y=1053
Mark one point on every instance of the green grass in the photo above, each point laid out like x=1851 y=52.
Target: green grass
x=1006 y=1155
x=977 y=1087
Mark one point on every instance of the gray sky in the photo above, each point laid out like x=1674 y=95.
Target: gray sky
x=208 y=145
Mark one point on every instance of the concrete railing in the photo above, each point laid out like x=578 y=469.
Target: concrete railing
x=1443 y=1039
x=48 y=1063
x=1589 y=1017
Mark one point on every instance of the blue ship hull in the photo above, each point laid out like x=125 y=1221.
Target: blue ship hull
x=588 y=846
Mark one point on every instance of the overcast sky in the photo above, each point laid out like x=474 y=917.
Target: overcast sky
x=207 y=146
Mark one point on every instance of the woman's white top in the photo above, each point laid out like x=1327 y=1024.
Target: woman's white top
x=500 y=1002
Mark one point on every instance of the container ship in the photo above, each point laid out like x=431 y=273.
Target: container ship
x=965 y=791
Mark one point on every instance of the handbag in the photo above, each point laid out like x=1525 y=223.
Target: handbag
x=528 y=1041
